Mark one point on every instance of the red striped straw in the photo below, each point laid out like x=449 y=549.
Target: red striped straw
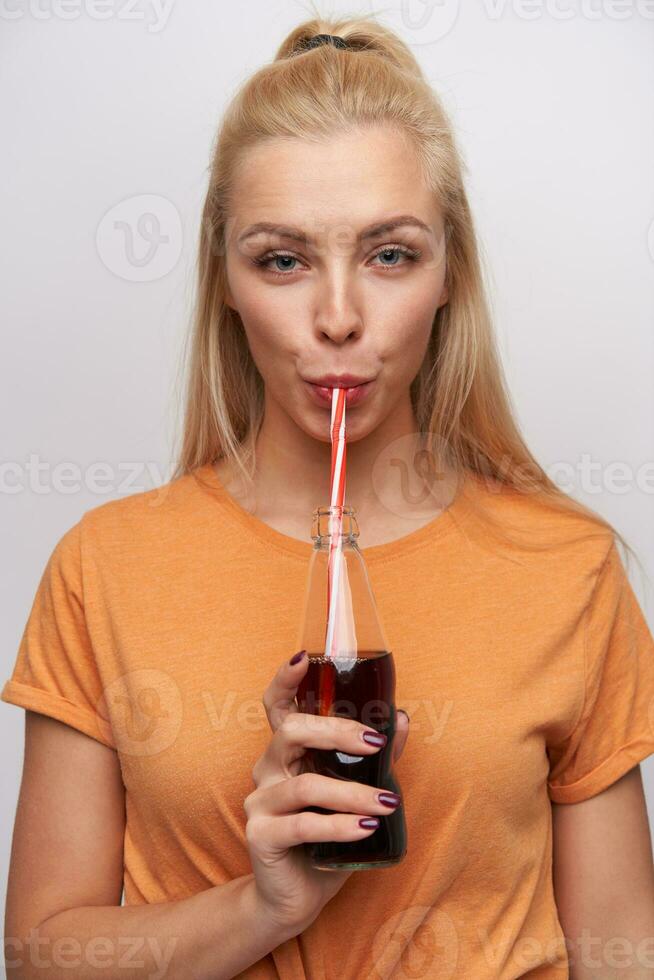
x=336 y=501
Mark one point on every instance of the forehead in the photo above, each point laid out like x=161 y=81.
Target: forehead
x=354 y=176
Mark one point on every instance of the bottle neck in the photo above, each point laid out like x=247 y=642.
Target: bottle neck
x=325 y=525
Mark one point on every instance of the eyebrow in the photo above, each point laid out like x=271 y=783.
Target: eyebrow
x=295 y=233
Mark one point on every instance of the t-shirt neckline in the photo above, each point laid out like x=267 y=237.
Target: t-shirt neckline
x=440 y=526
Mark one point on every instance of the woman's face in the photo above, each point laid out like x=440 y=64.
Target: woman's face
x=321 y=286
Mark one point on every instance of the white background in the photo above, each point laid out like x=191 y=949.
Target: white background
x=552 y=105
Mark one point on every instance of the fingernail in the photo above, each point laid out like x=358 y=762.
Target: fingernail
x=369 y=822
x=389 y=799
x=375 y=738
x=405 y=712
x=295 y=659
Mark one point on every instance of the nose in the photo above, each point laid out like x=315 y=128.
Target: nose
x=338 y=316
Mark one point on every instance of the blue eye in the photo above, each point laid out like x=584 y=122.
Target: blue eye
x=284 y=258
x=264 y=261
x=396 y=250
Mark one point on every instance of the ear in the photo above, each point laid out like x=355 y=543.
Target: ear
x=444 y=297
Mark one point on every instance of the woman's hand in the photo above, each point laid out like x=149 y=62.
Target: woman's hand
x=291 y=890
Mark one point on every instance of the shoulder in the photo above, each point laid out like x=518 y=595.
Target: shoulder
x=539 y=529
x=144 y=516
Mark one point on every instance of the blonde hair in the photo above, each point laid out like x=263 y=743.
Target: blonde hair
x=459 y=394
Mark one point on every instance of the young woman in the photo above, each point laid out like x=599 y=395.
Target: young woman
x=337 y=249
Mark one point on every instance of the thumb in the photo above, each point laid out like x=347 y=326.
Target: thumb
x=279 y=696
x=401 y=733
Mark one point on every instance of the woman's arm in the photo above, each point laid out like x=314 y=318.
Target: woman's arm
x=604 y=882
x=65 y=881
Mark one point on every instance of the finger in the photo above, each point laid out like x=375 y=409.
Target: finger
x=311 y=789
x=299 y=731
x=279 y=696
x=280 y=833
x=401 y=733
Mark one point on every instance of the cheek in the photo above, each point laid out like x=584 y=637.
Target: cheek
x=404 y=321
x=270 y=337
x=267 y=315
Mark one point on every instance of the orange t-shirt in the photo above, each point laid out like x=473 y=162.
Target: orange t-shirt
x=528 y=676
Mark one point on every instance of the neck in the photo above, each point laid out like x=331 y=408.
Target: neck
x=390 y=481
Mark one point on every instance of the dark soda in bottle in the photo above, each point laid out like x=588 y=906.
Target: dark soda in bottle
x=356 y=681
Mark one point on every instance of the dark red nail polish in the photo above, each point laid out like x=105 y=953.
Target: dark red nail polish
x=369 y=822
x=389 y=799
x=375 y=738
x=295 y=659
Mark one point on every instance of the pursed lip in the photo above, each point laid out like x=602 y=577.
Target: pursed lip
x=339 y=380
x=354 y=394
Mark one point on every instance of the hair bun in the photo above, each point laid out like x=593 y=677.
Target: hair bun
x=319 y=39
x=354 y=33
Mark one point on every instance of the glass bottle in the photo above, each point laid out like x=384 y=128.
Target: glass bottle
x=356 y=681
